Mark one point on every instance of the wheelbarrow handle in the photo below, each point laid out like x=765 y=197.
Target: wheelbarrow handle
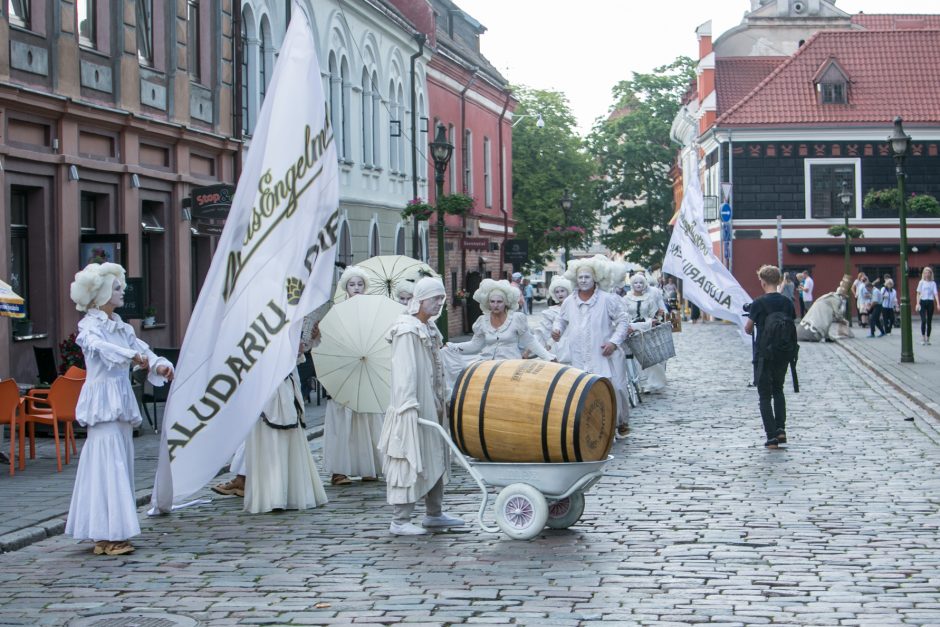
x=470 y=469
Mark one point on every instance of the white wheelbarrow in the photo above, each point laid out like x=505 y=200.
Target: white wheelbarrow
x=533 y=496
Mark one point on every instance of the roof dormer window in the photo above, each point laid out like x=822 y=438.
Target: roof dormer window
x=832 y=83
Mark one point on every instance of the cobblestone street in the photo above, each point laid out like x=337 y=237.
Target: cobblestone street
x=694 y=522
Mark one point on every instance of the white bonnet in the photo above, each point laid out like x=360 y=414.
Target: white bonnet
x=599 y=266
x=426 y=288
x=405 y=285
x=349 y=273
x=640 y=276
x=510 y=292
x=559 y=281
x=93 y=285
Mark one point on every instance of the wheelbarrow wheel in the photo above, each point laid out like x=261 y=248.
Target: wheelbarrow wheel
x=566 y=512
x=521 y=511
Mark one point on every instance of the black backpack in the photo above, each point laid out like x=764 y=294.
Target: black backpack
x=777 y=339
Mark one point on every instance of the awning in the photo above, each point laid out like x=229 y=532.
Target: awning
x=12 y=304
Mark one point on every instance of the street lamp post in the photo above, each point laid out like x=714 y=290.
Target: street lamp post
x=900 y=141
x=565 y=208
x=845 y=196
x=441 y=150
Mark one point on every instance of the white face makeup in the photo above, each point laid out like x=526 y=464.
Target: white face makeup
x=431 y=306
x=585 y=279
x=639 y=285
x=497 y=303
x=355 y=285
x=404 y=297
x=560 y=294
x=117 y=295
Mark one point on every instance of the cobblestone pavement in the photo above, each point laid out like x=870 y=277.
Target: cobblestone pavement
x=695 y=522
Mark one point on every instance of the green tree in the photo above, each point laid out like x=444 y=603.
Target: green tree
x=633 y=149
x=547 y=161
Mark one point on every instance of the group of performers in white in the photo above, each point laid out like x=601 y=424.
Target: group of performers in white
x=586 y=327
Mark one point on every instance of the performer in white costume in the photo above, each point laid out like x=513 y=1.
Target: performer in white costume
x=642 y=304
x=349 y=437
x=593 y=322
x=403 y=291
x=104 y=507
x=497 y=334
x=559 y=289
x=416 y=459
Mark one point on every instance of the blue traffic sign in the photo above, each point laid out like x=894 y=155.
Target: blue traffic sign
x=725 y=212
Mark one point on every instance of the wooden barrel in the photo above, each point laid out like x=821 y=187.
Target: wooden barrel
x=528 y=410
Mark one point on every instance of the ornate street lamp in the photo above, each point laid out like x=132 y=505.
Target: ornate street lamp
x=565 y=208
x=900 y=141
x=441 y=150
x=845 y=197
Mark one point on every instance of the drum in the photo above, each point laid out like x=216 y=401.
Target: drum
x=528 y=410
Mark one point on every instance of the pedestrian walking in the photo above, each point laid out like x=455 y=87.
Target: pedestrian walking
x=528 y=293
x=889 y=305
x=771 y=317
x=863 y=301
x=806 y=292
x=104 y=506
x=874 y=310
x=927 y=302
x=415 y=459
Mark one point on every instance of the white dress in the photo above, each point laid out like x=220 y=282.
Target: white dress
x=103 y=504
x=587 y=325
x=543 y=333
x=414 y=457
x=281 y=473
x=644 y=308
x=491 y=342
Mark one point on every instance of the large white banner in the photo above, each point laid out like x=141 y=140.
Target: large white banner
x=273 y=265
x=705 y=281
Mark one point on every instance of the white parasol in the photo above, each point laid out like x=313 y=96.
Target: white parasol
x=386 y=271
x=353 y=360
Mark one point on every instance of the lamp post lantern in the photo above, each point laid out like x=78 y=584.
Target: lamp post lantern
x=441 y=151
x=565 y=203
x=845 y=197
x=900 y=142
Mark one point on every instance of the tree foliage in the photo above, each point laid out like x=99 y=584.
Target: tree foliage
x=632 y=147
x=547 y=161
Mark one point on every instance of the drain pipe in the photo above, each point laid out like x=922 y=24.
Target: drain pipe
x=502 y=184
x=421 y=38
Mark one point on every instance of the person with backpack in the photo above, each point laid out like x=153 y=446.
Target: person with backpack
x=773 y=318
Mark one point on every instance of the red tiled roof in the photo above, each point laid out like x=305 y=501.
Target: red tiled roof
x=891 y=73
x=735 y=77
x=888 y=21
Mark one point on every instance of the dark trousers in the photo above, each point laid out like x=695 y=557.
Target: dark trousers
x=773 y=405
x=926 y=317
x=802 y=307
x=887 y=315
x=874 y=319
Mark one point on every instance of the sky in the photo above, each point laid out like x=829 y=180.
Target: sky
x=584 y=48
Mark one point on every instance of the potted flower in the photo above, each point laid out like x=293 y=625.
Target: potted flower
x=70 y=354
x=418 y=209
x=456 y=204
x=150 y=316
x=460 y=297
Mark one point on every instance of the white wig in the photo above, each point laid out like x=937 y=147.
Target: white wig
x=406 y=285
x=426 y=288
x=639 y=276
x=510 y=292
x=618 y=273
x=349 y=273
x=559 y=281
x=93 y=286
x=599 y=266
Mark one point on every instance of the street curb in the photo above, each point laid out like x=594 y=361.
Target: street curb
x=55 y=526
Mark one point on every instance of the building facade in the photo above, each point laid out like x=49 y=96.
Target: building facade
x=790 y=115
x=110 y=112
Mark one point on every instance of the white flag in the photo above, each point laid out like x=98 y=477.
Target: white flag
x=273 y=265
x=705 y=281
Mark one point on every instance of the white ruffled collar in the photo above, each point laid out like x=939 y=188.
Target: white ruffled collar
x=111 y=324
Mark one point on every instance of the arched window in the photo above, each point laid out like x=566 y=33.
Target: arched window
x=366 y=119
x=401 y=140
x=394 y=129
x=344 y=254
x=452 y=166
x=343 y=125
x=375 y=245
x=265 y=58
x=246 y=77
x=336 y=99
x=376 y=121
x=467 y=162
x=400 y=240
x=487 y=172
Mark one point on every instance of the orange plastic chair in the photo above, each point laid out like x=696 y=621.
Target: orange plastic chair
x=57 y=405
x=10 y=404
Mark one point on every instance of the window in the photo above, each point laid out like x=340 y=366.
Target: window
x=336 y=103
x=85 y=14
x=401 y=129
x=467 y=162
x=246 y=79
x=192 y=40
x=487 y=172
x=154 y=256
x=832 y=93
x=824 y=183
x=263 y=60
x=343 y=144
x=344 y=254
x=144 y=10
x=18 y=10
x=452 y=138
x=395 y=130
x=376 y=121
x=375 y=243
x=366 y=119
x=400 y=240
x=89 y=213
x=832 y=83
x=19 y=242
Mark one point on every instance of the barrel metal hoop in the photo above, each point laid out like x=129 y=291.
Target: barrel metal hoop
x=462 y=383
x=486 y=389
x=564 y=417
x=545 y=412
x=577 y=417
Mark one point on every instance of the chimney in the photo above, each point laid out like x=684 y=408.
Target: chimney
x=706 y=77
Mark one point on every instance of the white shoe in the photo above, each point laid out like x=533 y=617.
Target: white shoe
x=442 y=521
x=406 y=529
